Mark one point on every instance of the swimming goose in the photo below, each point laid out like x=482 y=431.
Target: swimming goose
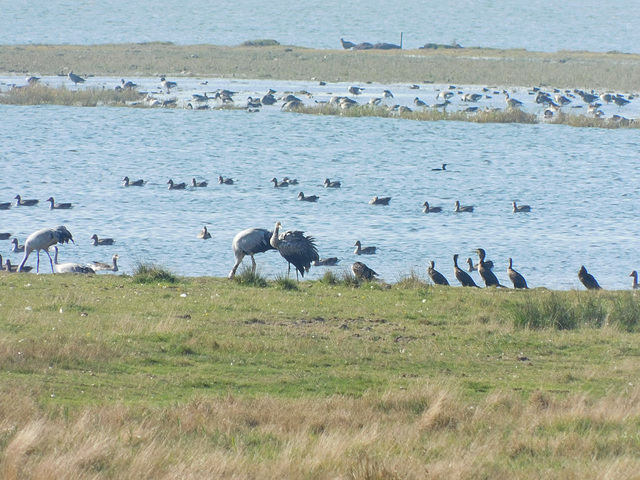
x=441 y=169
x=290 y=181
x=102 y=241
x=520 y=208
x=198 y=184
x=430 y=209
x=329 y=184
x=463 y=277
x=516 y=278
x=135 y=183
x=5 y=236
x=326 y=262
x=380 y=201
x=176 y=186
x=310 y=198
x=277 y=184
x=105 y=267
x=17 y=248
x=488 y=277
x=588 y=280
x=363 y=251
x=58 y=206
x=25 y=203
x=69 y=267
x=462 y=208
x=634 y=274
x=224 y=181
x=436 y=277
x=204 y=233
x=5 y=205
x=362 y=272
x=14 y=268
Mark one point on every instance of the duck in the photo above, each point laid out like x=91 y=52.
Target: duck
x=436 y=277
x=635 y=284
x=329 y=184
x=363 y=251
x=326 y=262
x=224 y=181
x=463 y=277
x=102 y=266
x=58 y=206
x=520 y=208
x=69 y=267
x=462 y=208
x=429 y=209
x=516 y=278
x=310 y=198
x=277 y=184
x=588 y=280
x=198 y=184
x=380 y=200
x=135 y=183
x=204 y=233
x=362 y=272
x=102 y=241
x=25 y=203
x=176 y=186
x=16 y=247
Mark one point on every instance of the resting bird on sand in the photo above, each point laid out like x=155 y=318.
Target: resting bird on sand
x=588 y=280
x=362 y=272
x=295 y=248
x=42 y=240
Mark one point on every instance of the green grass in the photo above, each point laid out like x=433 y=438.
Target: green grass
x=327 y=379
x=89 y=97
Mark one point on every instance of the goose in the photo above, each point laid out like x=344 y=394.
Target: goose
x=204 y=233
x=25 y=203
x=520 y=208
x=463 y=277
x=430 y=209
x=419 y=103
x=588 y=280
x=512 y=102
x=5 y=236
x=290 y=181
x=167 y=84
x=380 y=201
x=277 y=184
x=633 y=274
x=516 y=278
x=326 y=262
x=13 y=268
x=387 y=94
x=176 y=186
x=440 y=169
x=310 y=198
x=224 y=181
x=198 y=184
x=16 y=247
x=106 y=267
x=462 y=208
x=362 y=272
x=329 y=184
x=58 y=206
x=102 y=241
x=5 y=205
x=69 y=267
x=268 y=99
x=488 y=277
x=355 y=90
x=31 y=81
x=444 y=95
x=363 y=251
x=436 y=277
x=127 y=85
x=346 y=44
x=135 y=183
x=620 y=101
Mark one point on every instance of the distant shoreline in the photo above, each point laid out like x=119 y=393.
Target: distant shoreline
x=465 y=66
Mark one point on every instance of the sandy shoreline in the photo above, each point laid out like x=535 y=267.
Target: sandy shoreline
x=585 y=70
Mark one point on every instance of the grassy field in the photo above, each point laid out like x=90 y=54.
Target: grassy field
x=157 y=377
x=472 y=66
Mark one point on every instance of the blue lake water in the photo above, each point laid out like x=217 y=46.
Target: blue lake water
x=546 y=25
x=583 y=185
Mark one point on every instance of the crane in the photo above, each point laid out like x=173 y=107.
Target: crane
x=42 y=240
x=249 y=242
x=296 y=248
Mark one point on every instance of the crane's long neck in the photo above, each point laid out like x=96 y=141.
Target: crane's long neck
x=274 y=236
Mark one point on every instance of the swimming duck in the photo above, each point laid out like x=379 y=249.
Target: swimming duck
x=380 y=201
x=310 y=198
x=463 y=208
x=176 y=186
x=430 y=209
x=363 y=251
x=58 y=206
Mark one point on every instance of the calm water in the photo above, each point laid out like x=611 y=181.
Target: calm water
x=546 y=25
x=583 y=185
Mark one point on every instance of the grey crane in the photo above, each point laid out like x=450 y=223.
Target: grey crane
x=58 y=206
x=296 y=248
x=106 y=267
x=588 y=280
x=76 y=79
x=249 y=242
x=463 y=277
x=101 y=241
x=516 y=278
x=204 y=233
x=363 y=251
x=132 y=183
x=436 y=277
x=25 y=203
x=488 y=277
x=69 y=267
x=42 y=240
x=362 y=272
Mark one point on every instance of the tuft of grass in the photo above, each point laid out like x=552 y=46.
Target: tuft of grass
x=330 y=278
x=285 y=283
x=625 y=312
x=152 y=273
x=266 y=42
x=250 y=278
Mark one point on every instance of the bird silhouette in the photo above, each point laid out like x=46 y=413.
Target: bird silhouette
x=16 y=247
x=520 y=208
x=429 y=209
x=516 y=278
x=326 y=262
x=76 y=79
x=329 y=184
x=135 y=183
x=176 y=186
x=296 y=248
x=198 y=184
x=462 y=208
x=363 y=250
x=225 y=181
x=633 y=274
x=488 y=277
x=436 y=277
x=25 y=203
x=5 y=205
x=588 y=280
x=42 y=240
x=380 y=200
x=310 y=198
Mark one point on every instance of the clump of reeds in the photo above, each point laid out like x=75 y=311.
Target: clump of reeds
x=87 y=97
x=152 y=273
x=249 y=277
x=286 y=283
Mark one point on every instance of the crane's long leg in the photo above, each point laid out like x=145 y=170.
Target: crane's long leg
x=239 y=258
x=50 y=260
x=253 y=265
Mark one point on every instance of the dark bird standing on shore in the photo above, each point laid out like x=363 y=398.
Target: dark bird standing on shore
x=588 y=280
